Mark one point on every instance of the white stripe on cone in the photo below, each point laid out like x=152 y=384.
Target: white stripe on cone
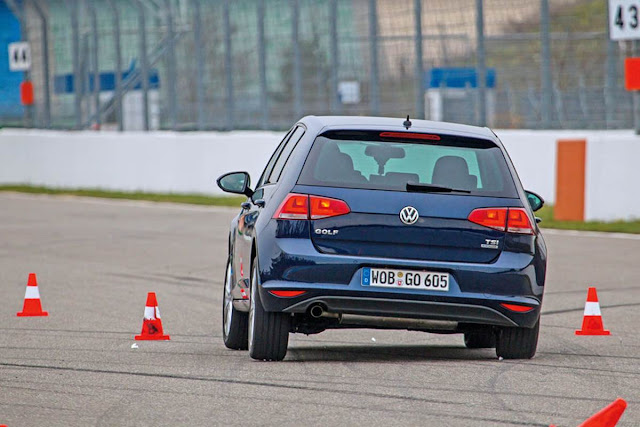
x=592 y=309
x=150 y=313
x=32 y=293
x=157 y=312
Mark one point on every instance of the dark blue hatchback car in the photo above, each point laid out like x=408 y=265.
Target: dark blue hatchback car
x=367 y=222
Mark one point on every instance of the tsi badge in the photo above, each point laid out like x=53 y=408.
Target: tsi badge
x=326 y=231
x=490 y=244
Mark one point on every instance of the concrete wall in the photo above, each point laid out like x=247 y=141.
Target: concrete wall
x=153 y=162
x=612 y=181
x=190 y=162
x=533 y=153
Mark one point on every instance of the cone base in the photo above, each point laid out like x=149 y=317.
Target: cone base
x=152 y=338
x=603 y=332
x=44 y=313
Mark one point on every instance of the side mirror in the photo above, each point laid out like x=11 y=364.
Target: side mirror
x=236 y=183
x=535 y=201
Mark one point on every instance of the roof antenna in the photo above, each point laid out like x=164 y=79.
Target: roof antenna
x=407 y=123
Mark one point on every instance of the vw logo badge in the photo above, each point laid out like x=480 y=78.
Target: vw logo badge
x=409 y=215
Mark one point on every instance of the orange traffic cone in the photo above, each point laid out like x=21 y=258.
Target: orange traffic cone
x=152 y=325
x=592 y=322
x=607 y=416
x=32 y=306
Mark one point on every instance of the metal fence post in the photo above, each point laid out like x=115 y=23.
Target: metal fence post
x=85 y=67
x=144 y=64
x=75 y=47
x=335 y=59
x=227 y=63
x=374 y=81
x=197 y=39
x=610 y=80
x=546 y=80
x=171 y=66
x=610 y=85
x=45 y=59
x=262 y=66
x=481 y=66
x=297 y=60
x=95 y=64
x=118 y=70
x=419 y=71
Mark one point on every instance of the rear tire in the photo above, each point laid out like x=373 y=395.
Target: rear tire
x=518 y=343
x=235 y=324
x=480 y=339
x=268 y=331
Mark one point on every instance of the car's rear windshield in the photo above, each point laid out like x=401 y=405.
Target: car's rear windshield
x=375 y=160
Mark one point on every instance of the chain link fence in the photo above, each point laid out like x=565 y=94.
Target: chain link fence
x=261 y=64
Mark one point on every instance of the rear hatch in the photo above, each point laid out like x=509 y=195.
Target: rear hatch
x=373 y=183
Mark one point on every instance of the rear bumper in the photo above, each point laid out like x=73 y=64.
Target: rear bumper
x=334 y=281
x=462 y=310
x=463 y=313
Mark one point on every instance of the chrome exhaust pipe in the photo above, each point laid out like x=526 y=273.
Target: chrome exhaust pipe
x=384 y=322
x=316 y=311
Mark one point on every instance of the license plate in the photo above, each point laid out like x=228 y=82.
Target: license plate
x=389 y=278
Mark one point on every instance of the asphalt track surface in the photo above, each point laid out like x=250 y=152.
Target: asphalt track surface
x=96 y=260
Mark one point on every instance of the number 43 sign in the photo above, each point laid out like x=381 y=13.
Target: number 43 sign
x=624 y=19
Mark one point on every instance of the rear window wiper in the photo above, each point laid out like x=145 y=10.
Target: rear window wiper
x=430 y=188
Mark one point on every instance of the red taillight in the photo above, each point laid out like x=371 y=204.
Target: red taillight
x=512 y=220
x=303 y=206
x=410 y=135
x=294 y=206
x=287 y=294
x=495 y=218
x=518 y=221
x=517 y=308
x=323 y=207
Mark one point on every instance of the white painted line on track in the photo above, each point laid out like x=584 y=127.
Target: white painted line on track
x=598 y=234
x=118 y=202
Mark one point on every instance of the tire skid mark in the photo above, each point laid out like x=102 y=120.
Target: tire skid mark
x=168 y=279
x=225 y=381
x=73 y=331
x=493 y=384
x=40 y=390
x=571 y=310
x=267 y=384
x=577 y=368
x=108 y=411
x=26 y=405
x=601 y=290
x=604 y=356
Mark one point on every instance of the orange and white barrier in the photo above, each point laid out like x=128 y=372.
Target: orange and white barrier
x=32 y=305
x=152 y=324
x=594 y=174
x=570 y=179
x=592 y=321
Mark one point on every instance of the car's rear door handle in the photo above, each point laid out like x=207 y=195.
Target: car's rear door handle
x=246 y=205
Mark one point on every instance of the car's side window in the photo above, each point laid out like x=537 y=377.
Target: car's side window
x=284 y=155
x=272 y=160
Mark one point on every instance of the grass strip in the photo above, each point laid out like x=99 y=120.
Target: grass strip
x=191 y=199
x=546 y=213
